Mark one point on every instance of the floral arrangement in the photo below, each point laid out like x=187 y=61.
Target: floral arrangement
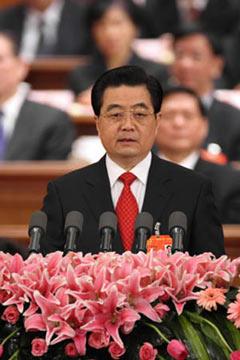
x=110 y=306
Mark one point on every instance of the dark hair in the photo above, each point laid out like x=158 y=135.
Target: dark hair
x=129 y=75
x=98 y=9
x=11 y=38
x=186 y=90
x=195 y=29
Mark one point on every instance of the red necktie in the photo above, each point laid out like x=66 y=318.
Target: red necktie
x=127 y=210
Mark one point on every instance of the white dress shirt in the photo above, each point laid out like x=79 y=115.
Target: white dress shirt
x=189 y=162
x=31 y=34
x=138 y=187
x=12 y=107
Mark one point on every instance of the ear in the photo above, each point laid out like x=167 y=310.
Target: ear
x=23 y=69
x=97 y=120
x=217 y=67
x=205 y=128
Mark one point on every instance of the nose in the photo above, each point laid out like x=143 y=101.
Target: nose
x=127 y=121
x=179 y=120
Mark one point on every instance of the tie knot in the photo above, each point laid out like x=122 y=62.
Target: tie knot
x=127 y=178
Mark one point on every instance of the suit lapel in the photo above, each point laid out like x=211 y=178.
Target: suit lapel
x=159 y=190
x=98 y=195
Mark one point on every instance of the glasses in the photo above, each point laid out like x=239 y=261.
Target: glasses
x=136 y=115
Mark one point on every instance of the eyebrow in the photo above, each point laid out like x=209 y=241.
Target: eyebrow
x=117 y=106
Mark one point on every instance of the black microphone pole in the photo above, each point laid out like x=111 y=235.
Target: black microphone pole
x=143 y=230
x=72 y=229
x=107 y=230
x=177 y=226
x=36 y=231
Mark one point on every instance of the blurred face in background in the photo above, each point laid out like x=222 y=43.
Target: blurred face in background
x=114 y=32
x=195 y=65
x=12 y=69
x=182 y=127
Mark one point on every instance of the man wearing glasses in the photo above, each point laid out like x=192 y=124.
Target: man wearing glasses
x=126 y=102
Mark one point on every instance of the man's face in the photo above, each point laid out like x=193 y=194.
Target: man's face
x=195 y=65
x=12 y=69
x=182 y=128
x=127 y=125
x=114 y=32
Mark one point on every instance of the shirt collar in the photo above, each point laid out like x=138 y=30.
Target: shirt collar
x=140 y=170
x=12 y=105
x=189 y=162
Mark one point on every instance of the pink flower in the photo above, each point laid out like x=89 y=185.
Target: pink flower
x=39 y=347
x=3 y=296
x=71 y=350
x=115 y=350
x=147 y=352
x=1 y=350
x=235 y=355
x=177 y=350
x=234 y=312
x=161 y=309
x=98 y=339
x=210 y=297
x=11 y=314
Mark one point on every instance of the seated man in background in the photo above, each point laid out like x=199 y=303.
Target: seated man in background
x=113 y=25
x=28 y=130
x=183 y=127
x=46 y=27
x=198 y=64
x=130 y=179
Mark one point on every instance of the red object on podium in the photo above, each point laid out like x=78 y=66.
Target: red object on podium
x=159 y=242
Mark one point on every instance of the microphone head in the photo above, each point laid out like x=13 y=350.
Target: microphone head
x=144 y=220
x=39 y=220
x=108 y=220
x=74 y=219
x=177 y=219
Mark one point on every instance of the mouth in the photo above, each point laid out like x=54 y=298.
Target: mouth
x=126 y=141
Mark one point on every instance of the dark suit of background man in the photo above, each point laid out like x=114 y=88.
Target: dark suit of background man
x=28 y=130
x=43 y=27
x=126 y=103
x=182 y=129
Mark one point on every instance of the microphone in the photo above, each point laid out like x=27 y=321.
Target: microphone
x=143 y=230
x=177 y=226
x=36 y=230
x=107 y=230
x=72 y=230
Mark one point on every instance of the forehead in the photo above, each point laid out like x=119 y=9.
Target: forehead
x=126 y=96
x=196 y=42
x=179 y=102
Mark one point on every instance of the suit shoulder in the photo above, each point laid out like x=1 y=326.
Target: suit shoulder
x=181 y=173
x=39 y=108
x=78 y=174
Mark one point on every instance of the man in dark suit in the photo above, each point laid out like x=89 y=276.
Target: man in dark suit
x=47 y=27
x=198 y=64
x=126 y=103
x=182 y=129
x=28 y=130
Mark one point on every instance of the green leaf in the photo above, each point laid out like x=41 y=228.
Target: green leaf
x=193 y=339
x=210 y=330
x=228 y=329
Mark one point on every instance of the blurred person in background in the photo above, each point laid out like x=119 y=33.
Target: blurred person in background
x=47 y=27
x=113 y=25
x=217 y=16
x=182 y=129
x=198 y=64
x=13 y=247
x=28 y=130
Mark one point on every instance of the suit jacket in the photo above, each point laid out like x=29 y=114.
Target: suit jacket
x=219 y=17
x=169 y=188
x=72 y=36
x=84 y=76
x=226 y=187
x=224 y=128
x=41 y=133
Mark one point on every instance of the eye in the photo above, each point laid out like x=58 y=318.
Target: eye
x=115 y=116
x=139 y=115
